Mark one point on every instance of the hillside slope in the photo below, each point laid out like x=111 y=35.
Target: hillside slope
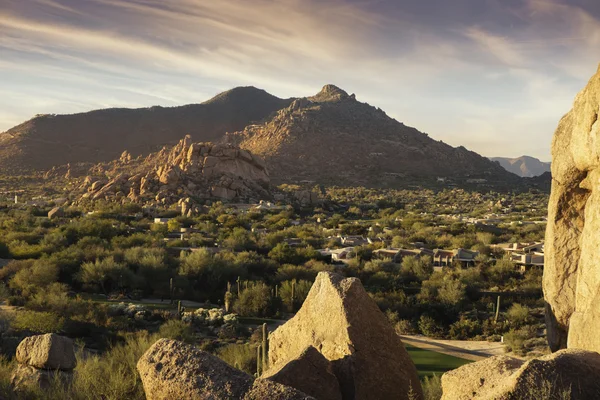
x=332 y=138
x=102 y=135
x=524 y=166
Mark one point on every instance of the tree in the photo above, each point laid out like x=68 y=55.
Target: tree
x=105 y=273
x=30 y=279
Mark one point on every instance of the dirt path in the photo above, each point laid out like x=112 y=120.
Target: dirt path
x=467 y=349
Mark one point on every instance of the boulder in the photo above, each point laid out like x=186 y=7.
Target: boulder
x=571 y=275
x=49 y=351
x=310 y=373
x=56 y=212
x=567 y=374
x=341 y=320
x=25 y=377
x=175 y=370
x=264 y=389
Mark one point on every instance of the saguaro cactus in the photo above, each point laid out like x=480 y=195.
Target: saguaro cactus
x=228 y=297
x=265 y=348
x=171 y=289
x=258 y=360
x=293 y=302
x=497 y=310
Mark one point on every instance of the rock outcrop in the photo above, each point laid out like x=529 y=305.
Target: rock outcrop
x=340 y=320
x=311 y=373
x=186 y=171
x=567 y=374
x=174 y=370
x=43 y=359
x=571 y=274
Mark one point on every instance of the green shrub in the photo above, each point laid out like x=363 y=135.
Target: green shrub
x=177 y=330
x=464 y=329
x=429 y=327
x=515 y=339
x=240 y=356
x=38 y=322
x=518 y=314
x=256 y=301
x=405 y=327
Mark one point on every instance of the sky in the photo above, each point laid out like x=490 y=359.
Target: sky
x=493 y=75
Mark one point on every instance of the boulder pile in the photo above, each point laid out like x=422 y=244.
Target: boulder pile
x=42 y=359
x=339 y=346
x=186 y=171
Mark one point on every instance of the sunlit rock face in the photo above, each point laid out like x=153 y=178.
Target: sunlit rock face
x=572 y=270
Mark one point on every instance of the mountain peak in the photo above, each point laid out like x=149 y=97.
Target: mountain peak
x=330 y=93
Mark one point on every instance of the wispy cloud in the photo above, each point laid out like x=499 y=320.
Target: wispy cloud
x=468 y=73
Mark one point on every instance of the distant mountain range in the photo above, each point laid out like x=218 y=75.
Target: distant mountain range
x=329 y=138
x=524 y=166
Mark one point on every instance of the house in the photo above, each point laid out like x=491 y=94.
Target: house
x=353 y=240
x=445 y=258
x=397 y=255
x=520 y=247
x=294 y=242
x=526 y=260
x=343 y=255
x=161 y=220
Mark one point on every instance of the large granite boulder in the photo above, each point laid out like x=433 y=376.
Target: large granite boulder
x=311 y=373
x=49 y=351
x=340 y=320
x=567 y=374
x=571 y=273
x=174 y=370
x=42 y=361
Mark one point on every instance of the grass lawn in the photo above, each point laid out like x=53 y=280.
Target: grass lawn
x=429 y=362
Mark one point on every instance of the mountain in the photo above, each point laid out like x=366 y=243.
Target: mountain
x=332 y=138
x=524 y=166
x=102 y=135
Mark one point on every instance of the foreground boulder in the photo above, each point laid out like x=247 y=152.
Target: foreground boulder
x=571 y=274
x=568 y=374
x=311 y=373
x=48 y=351
x=174 y=370
x=43 y=359
x=340 y=320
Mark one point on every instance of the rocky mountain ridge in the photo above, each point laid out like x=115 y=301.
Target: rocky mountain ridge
x=524 y=166
x=332 y=138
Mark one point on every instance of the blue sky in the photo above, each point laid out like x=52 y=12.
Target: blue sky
x=492 y=75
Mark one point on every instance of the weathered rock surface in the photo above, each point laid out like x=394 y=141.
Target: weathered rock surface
x=175 y=370
x=311 y=373
x=340 y=320
x=26 y=376
x=567 y=374
x=48 y=351
x=571 y=274
x=265 y=389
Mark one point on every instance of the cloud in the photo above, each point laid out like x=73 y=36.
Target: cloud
x=469 y=72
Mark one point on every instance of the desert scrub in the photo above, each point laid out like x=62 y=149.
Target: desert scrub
x=177 y=330
x=432 y=387
x=38 y=322
x=240 y=356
